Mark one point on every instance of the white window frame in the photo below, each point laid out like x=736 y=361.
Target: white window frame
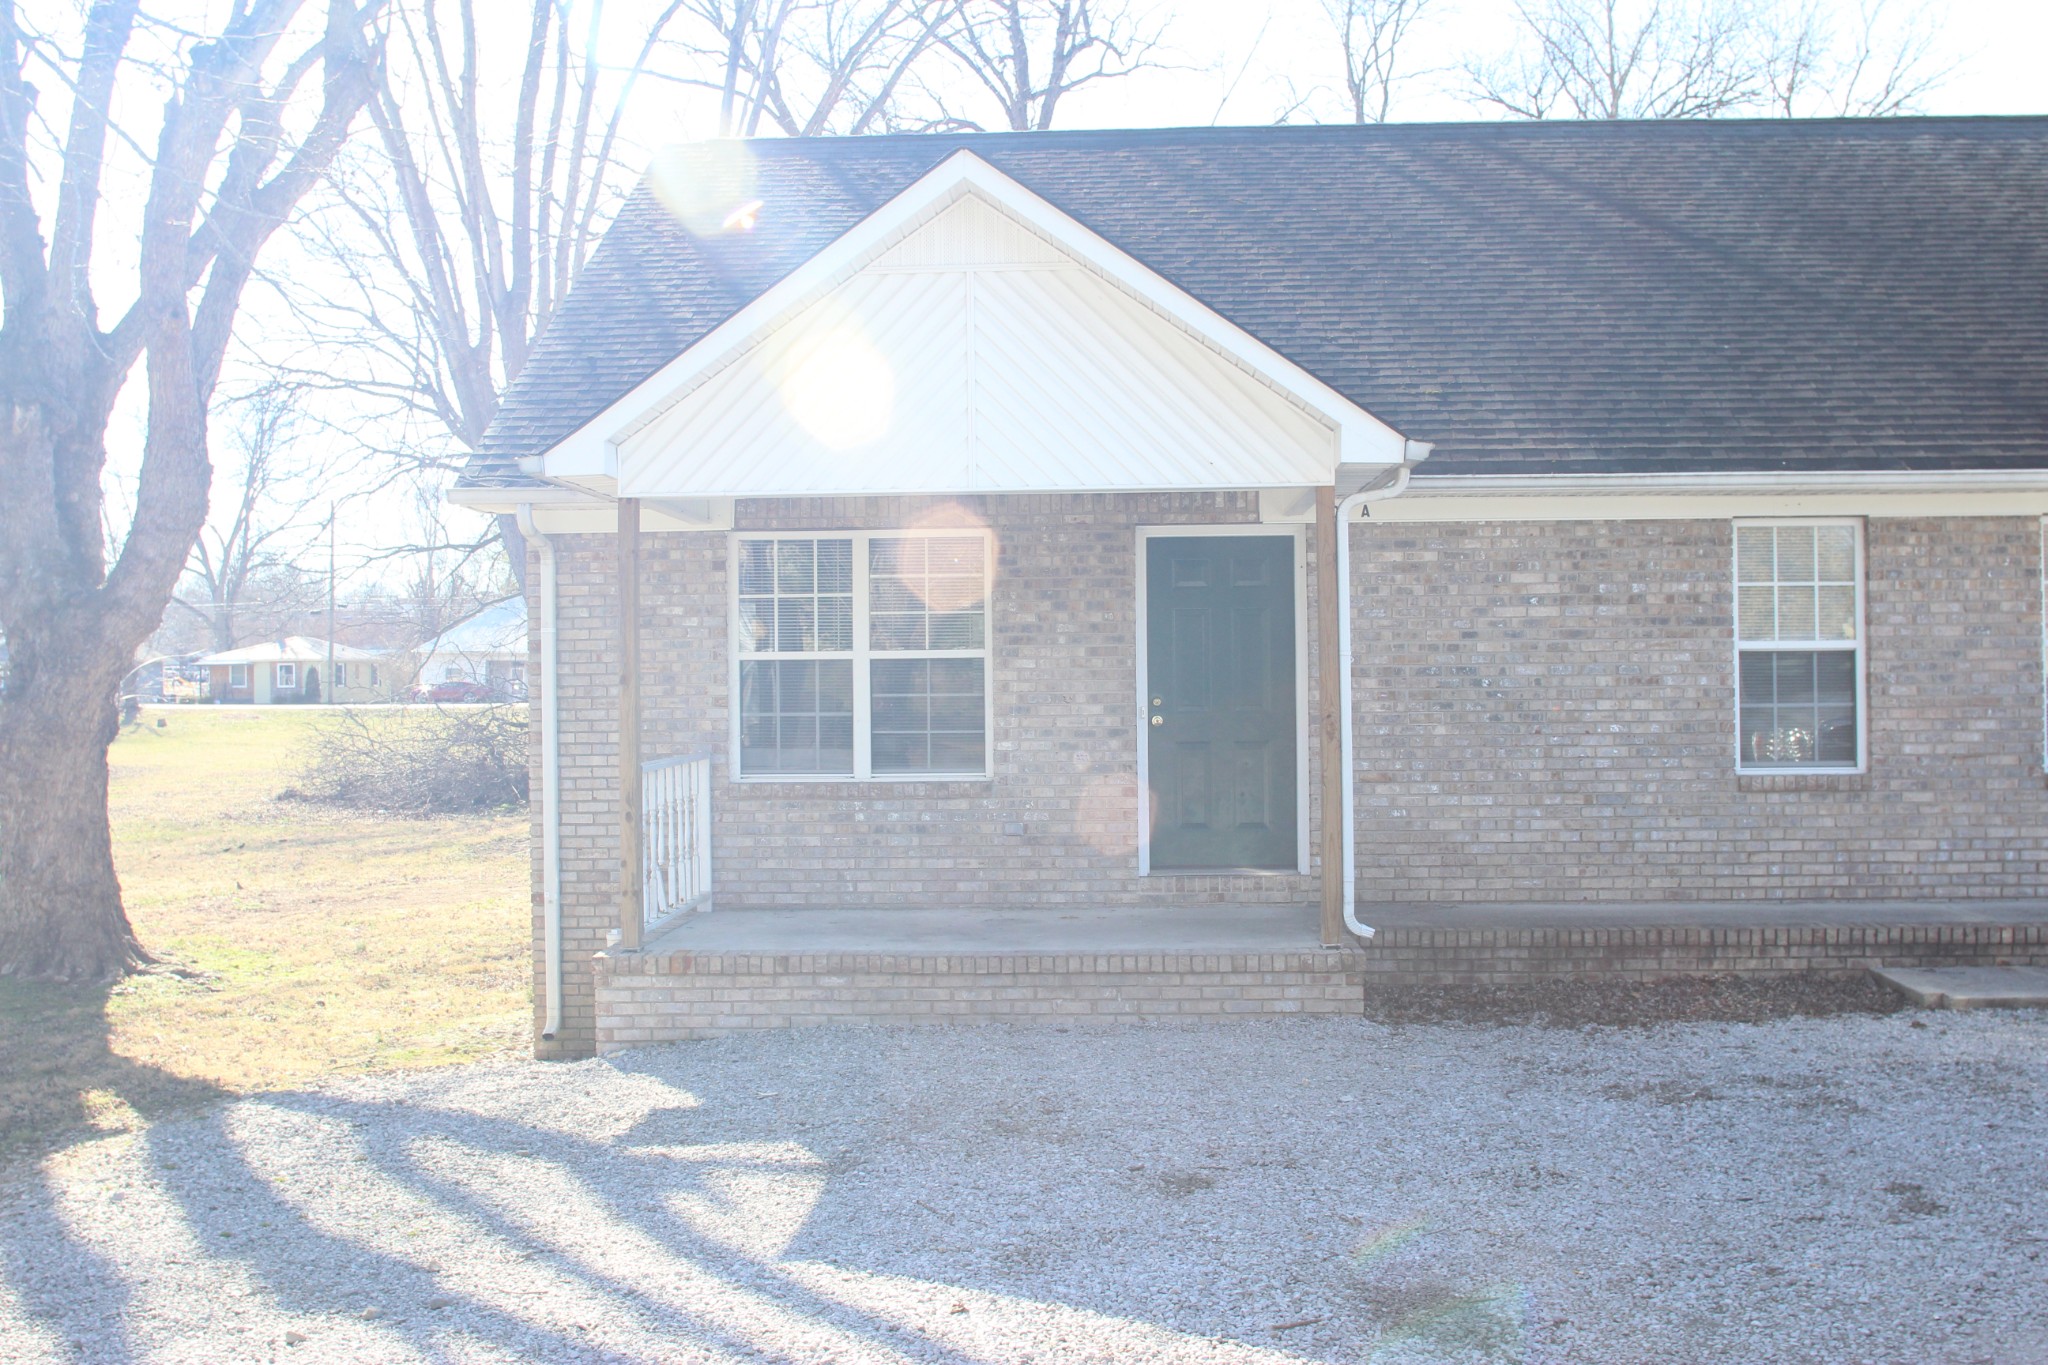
x=863 y=655
x=1858 y=647
x=286 y=678
x=238 y=677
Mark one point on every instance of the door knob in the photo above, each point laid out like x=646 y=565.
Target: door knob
x=1159 y=720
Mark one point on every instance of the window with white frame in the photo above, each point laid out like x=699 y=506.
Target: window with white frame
x=238 y=675
x=287 y=677
x=863 y=655
x=1799 y=645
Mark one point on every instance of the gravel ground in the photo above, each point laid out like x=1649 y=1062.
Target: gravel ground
x=1864 y=1187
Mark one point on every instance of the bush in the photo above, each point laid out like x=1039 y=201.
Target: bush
x=420 y=760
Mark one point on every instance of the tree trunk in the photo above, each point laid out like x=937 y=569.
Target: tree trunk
x=60 y=903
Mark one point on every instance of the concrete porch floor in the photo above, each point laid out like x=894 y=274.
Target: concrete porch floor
x=977 y=931
x=1268 y=928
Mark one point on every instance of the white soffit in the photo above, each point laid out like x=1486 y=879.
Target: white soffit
x=968 y=337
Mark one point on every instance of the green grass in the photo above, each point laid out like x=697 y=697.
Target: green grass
x=297 y=942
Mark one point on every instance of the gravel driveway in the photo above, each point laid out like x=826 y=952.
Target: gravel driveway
x=1841 y=1189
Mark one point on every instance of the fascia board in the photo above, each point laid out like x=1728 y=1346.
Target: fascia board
x=479 y=498
x=1732 y=481
x=1666 y=497
x=592 y=448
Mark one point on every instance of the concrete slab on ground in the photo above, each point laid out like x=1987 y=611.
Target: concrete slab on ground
x=1970 y=988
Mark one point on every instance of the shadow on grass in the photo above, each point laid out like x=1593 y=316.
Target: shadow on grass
x=60 y=1078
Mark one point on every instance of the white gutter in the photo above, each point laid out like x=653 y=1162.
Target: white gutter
x=1766 y=481
x=1417 y=453
x=550 y=778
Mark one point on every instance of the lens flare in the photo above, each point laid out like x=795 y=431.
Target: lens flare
x=838 y=386
x=1388 y=1240
x=708 y=186
x=954 y=574
x=1105 y=814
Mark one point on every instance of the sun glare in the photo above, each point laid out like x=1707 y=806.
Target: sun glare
x=708 y=186
x=839 y=387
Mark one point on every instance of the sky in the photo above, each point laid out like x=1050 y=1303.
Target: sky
x=1227 y=61
x=1240 y=62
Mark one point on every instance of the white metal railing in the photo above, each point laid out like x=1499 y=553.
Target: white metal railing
x=675 y=837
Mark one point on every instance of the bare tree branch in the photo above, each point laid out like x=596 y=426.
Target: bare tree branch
x=1865 y=65
x=1658 y=59
x=1371 y=34
x=1074 y=43
x=810 y=67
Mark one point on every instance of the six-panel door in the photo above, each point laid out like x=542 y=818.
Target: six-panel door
x=1220 y=688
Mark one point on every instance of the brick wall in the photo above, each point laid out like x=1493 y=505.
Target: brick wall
x=1058 y=822
x=667 y=998
x=1545 y=712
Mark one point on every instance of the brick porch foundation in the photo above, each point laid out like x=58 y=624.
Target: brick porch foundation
x=658 y=998
x=661 y=997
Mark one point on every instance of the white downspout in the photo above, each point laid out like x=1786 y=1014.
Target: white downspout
x=550 y=778
x=1416 y=452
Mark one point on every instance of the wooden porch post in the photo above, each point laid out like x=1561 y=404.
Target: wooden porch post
x=1329 y=687
x=629 y=724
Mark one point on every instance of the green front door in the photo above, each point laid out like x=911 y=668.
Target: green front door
x=1220 y=724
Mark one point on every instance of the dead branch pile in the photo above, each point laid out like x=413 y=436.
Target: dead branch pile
x=420 y=760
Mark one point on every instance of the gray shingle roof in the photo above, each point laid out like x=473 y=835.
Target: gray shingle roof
x=1562 y=297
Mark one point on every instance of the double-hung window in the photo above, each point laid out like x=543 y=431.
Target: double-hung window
x=862 y=655
x=1799 y=645
x=287 y=677
x=238 y=675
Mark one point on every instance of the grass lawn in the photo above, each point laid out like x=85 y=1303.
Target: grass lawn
x=300 y=942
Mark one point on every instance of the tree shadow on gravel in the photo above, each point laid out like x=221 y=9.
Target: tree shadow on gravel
x=318 y=1256
x=50 y=1293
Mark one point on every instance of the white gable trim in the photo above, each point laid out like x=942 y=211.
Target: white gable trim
x=589 y=454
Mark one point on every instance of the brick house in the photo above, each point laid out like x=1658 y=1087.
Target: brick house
x=1090 y=572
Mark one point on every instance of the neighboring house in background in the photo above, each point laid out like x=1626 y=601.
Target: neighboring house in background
x=295 y=669
x=1212 y=538
x=488 y=646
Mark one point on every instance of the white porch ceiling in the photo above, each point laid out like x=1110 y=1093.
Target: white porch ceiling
x=974 y=353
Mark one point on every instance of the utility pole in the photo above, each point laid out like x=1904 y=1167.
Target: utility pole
x=333 y=691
